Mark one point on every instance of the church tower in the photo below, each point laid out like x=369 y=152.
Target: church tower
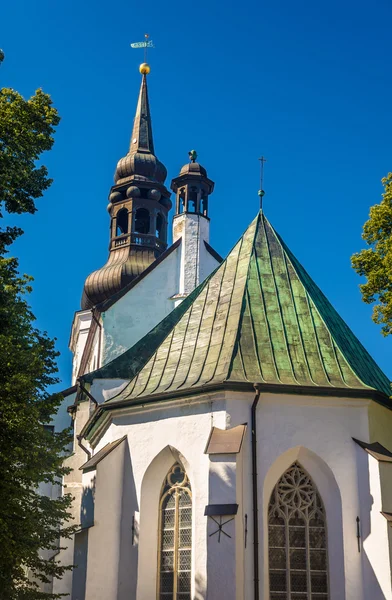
x=138 y=207
x=192 y=224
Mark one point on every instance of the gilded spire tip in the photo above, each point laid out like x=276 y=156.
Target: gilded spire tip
x=144 y=68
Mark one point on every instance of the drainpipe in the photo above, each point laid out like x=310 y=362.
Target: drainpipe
x=255 y=496
x=85 y=391
x=79 y=438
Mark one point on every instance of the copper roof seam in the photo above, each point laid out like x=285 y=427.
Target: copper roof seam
x=267 y=326
x=241 y=361
x=132 y=388
x=245 y=301
x=307 y=297
x=197 y=336
x=254 y=338
x=265 y=306
x=226 y=319
x=224 y=267
x=316 y=337
x=280 y=306
x=361 y=360
x=348 y=335
x=295 y=312
x=250 y=251
x=167 y=358
x=199 y=329
x=189 y=311
x=334 y=346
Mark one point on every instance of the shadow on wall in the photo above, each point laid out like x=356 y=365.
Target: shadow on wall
x=79 y=573
x=87 y=505
x=371 y=582
x=200 y=589
x=221 y=530
x=129 y=555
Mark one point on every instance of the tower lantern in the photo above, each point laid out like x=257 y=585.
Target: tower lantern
x=192 y=188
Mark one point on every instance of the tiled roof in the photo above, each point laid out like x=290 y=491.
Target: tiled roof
x=258 y=318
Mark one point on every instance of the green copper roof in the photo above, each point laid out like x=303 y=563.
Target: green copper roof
x=259 y=318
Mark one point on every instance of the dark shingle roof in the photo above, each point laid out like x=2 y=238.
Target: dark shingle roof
x=258 y=318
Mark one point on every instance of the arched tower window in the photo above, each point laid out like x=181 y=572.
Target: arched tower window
x=159 y=227
x=297 y=539
x=204 y=205
x=181 y=201
x=122 y=222
x=175 y=543
x=192 y=199
x=142 y=221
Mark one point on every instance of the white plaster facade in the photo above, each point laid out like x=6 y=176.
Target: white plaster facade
x=317 y=432
x=196 y=263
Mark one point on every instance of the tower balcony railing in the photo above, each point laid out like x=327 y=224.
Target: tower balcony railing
x=138 y=239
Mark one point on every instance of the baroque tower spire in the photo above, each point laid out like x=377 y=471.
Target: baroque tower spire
x=138 y=207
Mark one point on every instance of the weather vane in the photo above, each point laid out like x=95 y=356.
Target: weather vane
x=261 y=191
x=144 y=68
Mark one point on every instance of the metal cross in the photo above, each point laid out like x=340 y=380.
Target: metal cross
x=220 y=528
x=261 y=190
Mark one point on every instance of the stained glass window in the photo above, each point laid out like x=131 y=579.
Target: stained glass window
x=298 y=561
x=175 y=544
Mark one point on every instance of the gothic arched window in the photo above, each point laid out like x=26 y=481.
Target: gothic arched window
x=142 y=221
x=122 y=222
x=175 y=543
x=297 y=539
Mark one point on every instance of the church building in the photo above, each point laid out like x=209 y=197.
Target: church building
x=232 y=437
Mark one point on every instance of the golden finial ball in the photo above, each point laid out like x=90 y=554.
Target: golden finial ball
x=144 y=68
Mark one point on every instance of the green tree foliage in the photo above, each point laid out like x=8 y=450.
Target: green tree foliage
x=30 y=455
x=375 y=262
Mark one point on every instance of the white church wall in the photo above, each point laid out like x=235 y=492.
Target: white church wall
x=380 y=430
x=221 y=553
x=184 y=427
x=315 y=431
x=196 y=263
x=104 y=537
x=324 y=429
x=374 y=529
x=207 y=263
x=318 y=433
x=143 y=307
x=238 y=407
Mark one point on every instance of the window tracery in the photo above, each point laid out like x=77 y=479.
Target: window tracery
x=175 y=543
x=297 y=539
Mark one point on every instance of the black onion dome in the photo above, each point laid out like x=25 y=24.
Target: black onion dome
x=141 y=165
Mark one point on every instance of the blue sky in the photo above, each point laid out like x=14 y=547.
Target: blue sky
x=305 y=83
